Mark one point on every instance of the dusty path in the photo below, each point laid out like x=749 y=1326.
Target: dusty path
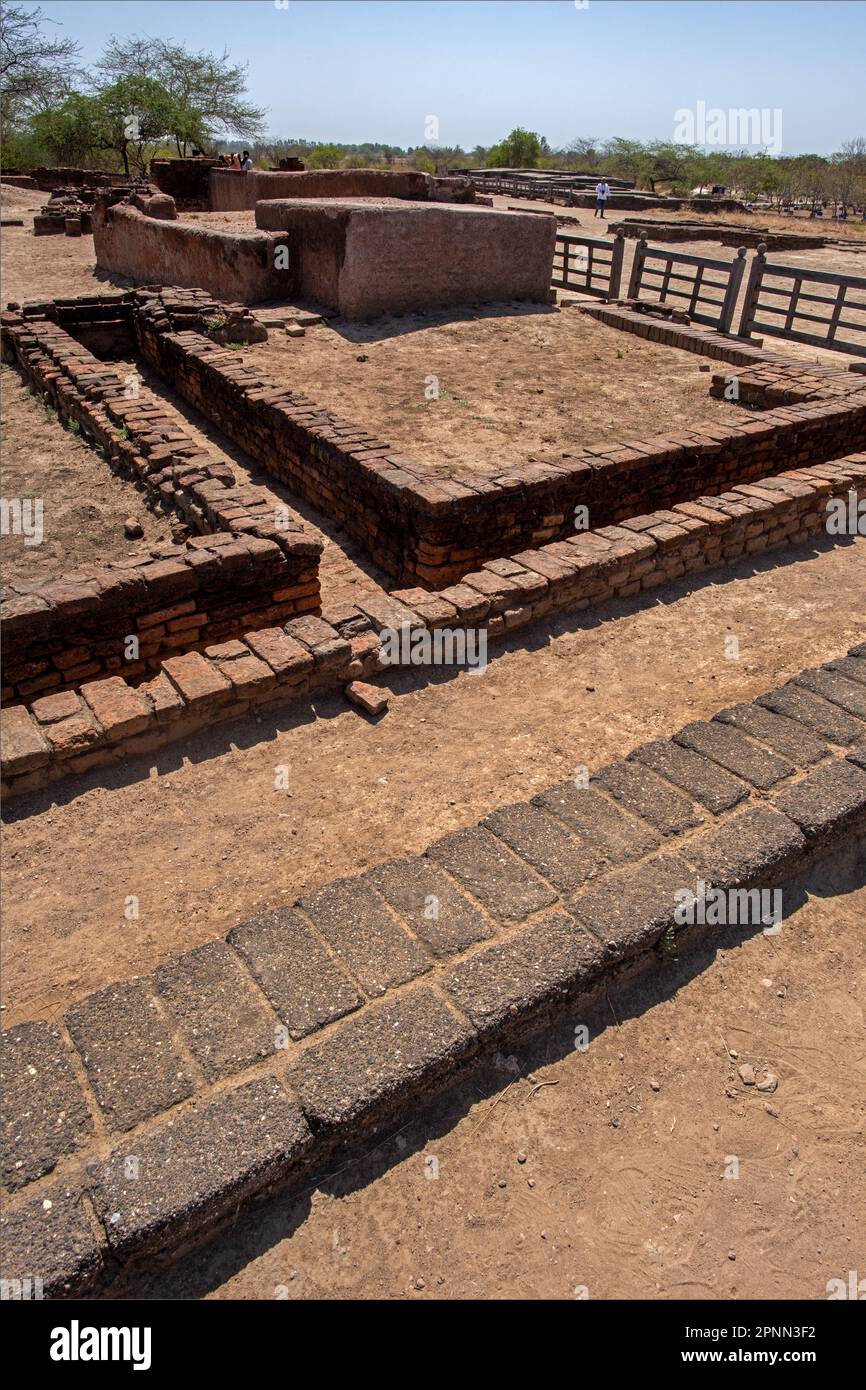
x=208 y=840
x=623 y=1192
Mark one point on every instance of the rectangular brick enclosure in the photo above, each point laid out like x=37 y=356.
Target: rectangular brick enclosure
x=370 y=258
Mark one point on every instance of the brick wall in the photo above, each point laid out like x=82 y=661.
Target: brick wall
x=108 y=720
x=429 y=530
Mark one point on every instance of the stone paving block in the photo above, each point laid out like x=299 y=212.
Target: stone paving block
x=364 y=935
x=858 y=754
x=731 y=749
x=22 y=747
x=382 y=1056
x=629 y=911
x=828 y=800
x=50 y=1237
x=704 y=780
x=784 y=736
x=199 y=1165
x=128 y=1054
x=854 y=667
x=501 y=883
x=425 y=897
x=217 y=1009
x=638 y=790
x=598 y=821
x=303 y=983
x=534 y=967
x=752 y=849
x=859 y=650
x=45 y=1114
x=542 y=840
x=813 y=711
x=838 y=689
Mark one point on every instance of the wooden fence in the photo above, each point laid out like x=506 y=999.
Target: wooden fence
x=841 y=311
x=588 y=265
x=684 y=279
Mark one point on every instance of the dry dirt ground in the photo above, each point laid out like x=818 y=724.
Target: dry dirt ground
x=632 y=1208
x=601 y=1174
x=488 y=390
x=84 y=503
x=204 y=840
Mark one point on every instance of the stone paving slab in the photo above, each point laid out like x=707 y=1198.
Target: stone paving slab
x=364 y=936
x=45 y=1114
x=838 y=689
x=305 y=986
x=217 y=1009
x=128 y=1053
x=237 y=1065
x=206 y=1158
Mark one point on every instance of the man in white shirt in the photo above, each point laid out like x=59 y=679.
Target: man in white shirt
x=602 y=193
x=246 y=162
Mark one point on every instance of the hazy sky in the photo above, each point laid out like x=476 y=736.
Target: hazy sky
x=355 y=70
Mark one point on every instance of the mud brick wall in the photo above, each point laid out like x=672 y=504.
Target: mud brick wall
x=424 y=529
x=185 y=180
x=246 y=572
x=231 y=265
x=108 y=720
x=178 y=598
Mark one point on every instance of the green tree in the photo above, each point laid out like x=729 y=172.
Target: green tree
x=324 y=157
x=35 y=67
x=206 y=84
x=522 y=149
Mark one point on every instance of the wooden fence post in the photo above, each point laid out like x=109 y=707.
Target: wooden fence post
x=753 y=289
x=637 y=267
x=616 y=255
x=729 y=303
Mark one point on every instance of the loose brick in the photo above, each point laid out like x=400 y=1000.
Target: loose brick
x=380 y=1059
x=543 y=842
x=500 y=882
x=128 y=1054
x=305 y=986
x=617 y=836
x=217 y=1009
x=751 y=850
x=199 y=681
x=731 y=749
x=364 y=935
x=534 y=968
x=426 y=898
x=199 y=1166
x=50 y=1238
x=120 y=709
x=704 y=780
x=22 y=747
x=646 y=796
x=815 y=712
x=785 y=736
x=831 y=799
x=45 y=1114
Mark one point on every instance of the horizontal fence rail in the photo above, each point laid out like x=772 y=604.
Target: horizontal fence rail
x=684 y=279
x=840 y=311
x=588 y=265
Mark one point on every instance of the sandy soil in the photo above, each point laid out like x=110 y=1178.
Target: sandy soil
x=84 y=504
x=512 y=384
x=601 y=1174
x=204 y=840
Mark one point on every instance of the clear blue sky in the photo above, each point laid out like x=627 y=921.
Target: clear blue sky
x=355 y=70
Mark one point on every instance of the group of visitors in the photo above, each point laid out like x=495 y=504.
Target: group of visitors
x=236 y=161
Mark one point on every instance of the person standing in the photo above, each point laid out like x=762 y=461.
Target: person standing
x=246 y=162
x=602 y=193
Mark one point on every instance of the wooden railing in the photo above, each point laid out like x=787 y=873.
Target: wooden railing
x=684 y=279
x=842 y=311
x=588 y=265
